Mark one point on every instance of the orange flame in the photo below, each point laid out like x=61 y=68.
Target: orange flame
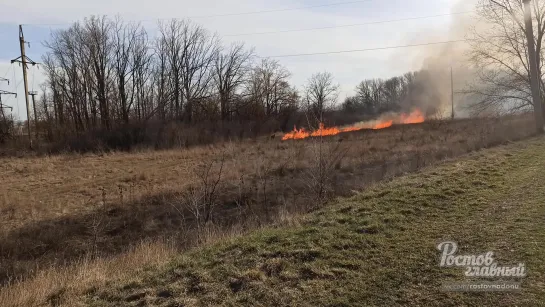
x=383 y=125
x=296 y=134
x=416 y=117
x=322 y=131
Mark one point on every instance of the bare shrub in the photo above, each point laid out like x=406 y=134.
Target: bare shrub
x=200 y=199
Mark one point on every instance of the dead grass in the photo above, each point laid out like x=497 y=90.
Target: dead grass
x=56 y=211
x=64 y=285
x=377 y=248
x=51 y=285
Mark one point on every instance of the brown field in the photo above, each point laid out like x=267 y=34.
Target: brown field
x=57 y=213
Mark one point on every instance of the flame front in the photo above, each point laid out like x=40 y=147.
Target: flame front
x=322 y=131
x=383 y=125
x=416 y=117
x=296 y=134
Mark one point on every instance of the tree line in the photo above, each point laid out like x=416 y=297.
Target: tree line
x=102 y=73
x=397 y=94
x=106 y=74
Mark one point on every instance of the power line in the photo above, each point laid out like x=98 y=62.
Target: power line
x=350 y=25
x=33 y=79
x=17 y=91
x=14 y=79
x=229 y=14
x=283 y=10
x=363 y=50
x=7 y=71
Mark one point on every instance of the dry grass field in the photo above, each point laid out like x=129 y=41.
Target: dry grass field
x=59 y=214
x=376 y=248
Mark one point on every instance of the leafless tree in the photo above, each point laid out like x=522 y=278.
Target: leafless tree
x=142 y=61
x=230 y=70
x=99 y=43
x=171 y=43
x=130 y=53
x=320 y=94
x=160 y=73
x=200 y=49
x=268 y=87
x=499 y=52
x=106 y=73
x=68 y=74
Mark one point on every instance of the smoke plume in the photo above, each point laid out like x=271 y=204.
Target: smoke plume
x=433 y=91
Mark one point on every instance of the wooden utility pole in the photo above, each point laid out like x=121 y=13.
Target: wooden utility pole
x=24 y=60
x=452 y=92
x=534 y=74
x=34 y=93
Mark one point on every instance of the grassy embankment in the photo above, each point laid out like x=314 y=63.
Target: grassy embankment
x=376 y=248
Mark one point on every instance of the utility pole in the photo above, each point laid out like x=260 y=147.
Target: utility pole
x=6 y=93
x=534 y=75
x=3 y=106
x=24 y=60
x=452 y=91
x=34 y=93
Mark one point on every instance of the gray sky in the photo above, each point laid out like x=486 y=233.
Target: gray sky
x=348 y=69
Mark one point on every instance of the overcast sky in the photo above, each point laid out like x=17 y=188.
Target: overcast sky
x=40 y=17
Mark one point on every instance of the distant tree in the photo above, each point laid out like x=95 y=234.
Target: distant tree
x=321 y=93
x=369 y=95
x=99 y=45
x=200 y=50
x=231 y=68
x=267 y=90
x=6 y=126
x=129 y=54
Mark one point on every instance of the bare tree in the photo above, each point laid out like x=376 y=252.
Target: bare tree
x=130 y=52
x=268 y=87
x=104 y=73
x=69 y=75
x=161 y=75
x=171 y=43
x=500 y=54
x=99 y=44
x=321 y=93
x=230 y=69
x=142 y=61
x=200 y=49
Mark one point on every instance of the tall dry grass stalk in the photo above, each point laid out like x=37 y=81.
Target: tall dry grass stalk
x=59 y=286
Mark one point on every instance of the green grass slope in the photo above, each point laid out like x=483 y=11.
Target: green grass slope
x=377 y=248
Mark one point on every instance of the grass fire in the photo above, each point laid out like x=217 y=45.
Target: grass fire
x=415 y=117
